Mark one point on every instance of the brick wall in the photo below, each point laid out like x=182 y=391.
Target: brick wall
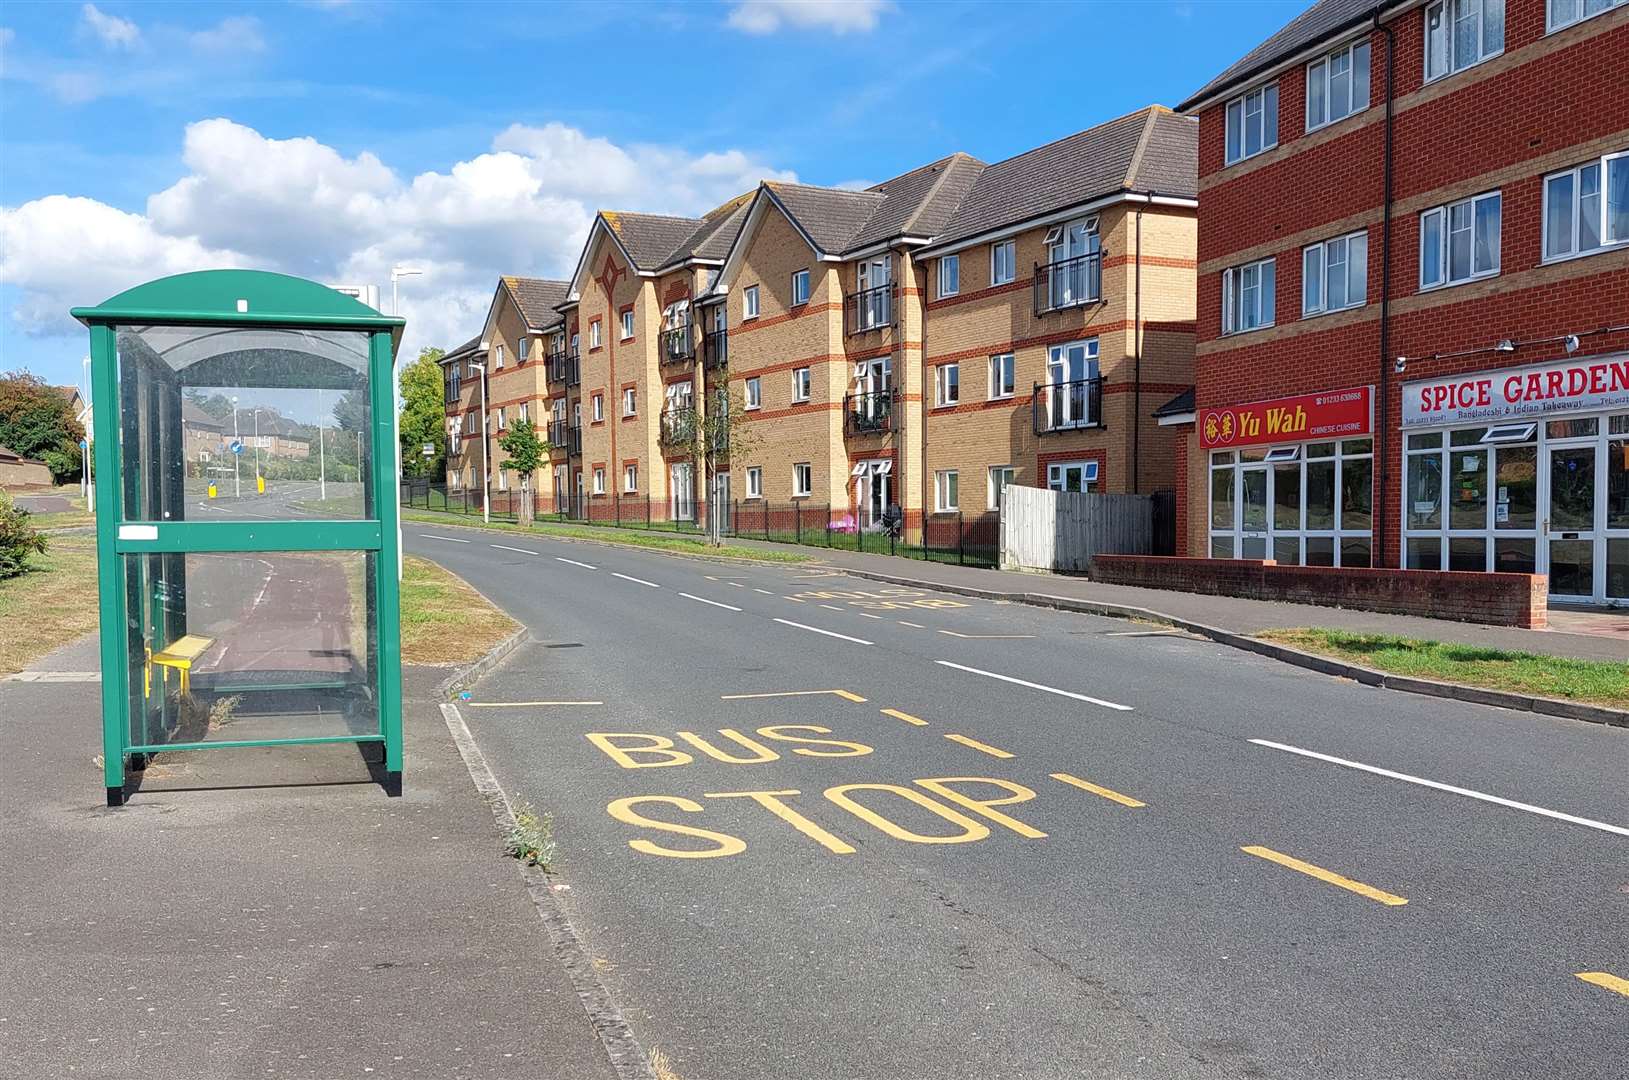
x=1495 y=599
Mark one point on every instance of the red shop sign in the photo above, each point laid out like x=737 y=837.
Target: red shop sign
x=1335 y=414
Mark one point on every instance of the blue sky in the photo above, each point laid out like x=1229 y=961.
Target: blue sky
x=334 y=138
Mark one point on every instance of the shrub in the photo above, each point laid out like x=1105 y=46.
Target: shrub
x=18 y=539
x=531 y=838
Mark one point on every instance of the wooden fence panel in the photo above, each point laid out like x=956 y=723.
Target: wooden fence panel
x=1061 y=530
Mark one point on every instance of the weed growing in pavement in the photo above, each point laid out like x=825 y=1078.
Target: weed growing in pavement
x=531 y=837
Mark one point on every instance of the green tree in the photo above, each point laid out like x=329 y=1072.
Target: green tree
x=37 y=422
x=526 y=452
x=423 y=418
x=712 y=436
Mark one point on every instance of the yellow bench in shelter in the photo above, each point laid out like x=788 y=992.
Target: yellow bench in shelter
x=179 y=654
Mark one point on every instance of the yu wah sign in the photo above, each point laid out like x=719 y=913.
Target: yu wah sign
x=1336 y=414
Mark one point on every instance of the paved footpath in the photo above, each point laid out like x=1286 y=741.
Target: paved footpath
x=821 y=827
x=264 y=913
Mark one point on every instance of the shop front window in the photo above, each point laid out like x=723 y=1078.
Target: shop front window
x=1301 y=504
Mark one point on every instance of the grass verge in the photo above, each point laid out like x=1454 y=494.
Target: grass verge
x=1599 y=682
x=654 y=541
x=50 y=605
x=444 y=621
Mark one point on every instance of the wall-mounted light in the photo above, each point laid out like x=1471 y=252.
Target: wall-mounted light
x=1400 y=365
x=1505 y=346
x=1570 y=343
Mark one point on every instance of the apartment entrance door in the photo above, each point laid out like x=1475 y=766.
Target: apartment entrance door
x=873 y=491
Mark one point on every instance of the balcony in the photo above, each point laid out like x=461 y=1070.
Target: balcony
x=678 y=345
x=563 y=435
x=869 y=413
x=715 y=350
x=678 y=428
x=1067 y=406
x=1068 y=283
x=563 y=368
x=872 y=309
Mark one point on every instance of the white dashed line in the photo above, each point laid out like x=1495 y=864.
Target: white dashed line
x=766 y=592
x=831 y=607
x=1036 y=686
x=704 y=600
x=867 y=615
x=737 y=584
x=574 y=562
x=913 y=625
x=521 y=551
x=635 y=580
x=449 y=539
x=828 y=633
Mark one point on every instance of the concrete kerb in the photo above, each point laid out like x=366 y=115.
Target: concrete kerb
x=1570 y=710
x=463 y=677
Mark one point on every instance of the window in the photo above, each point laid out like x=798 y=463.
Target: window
x=599 y=479
x=1335 y=274
x=755 y=393
x=947 y=382
x=1306 y=504
x=800 y=287
x=800 y=384
x=950 y=275
x=1071 y=475
x=523 y=350
x=1000 y=477
x=1460 y=241
x=755 y=482
x=630 y=478
x=627 y=325
x=503 y=479
x=1248 y=297
x=946 y=493
x=576 y=340
x=520 y=412
x=1566 y=12
x=1252 y=123
x=630 y=401
x=1003 y=263
x=1459 y=33
x=594 y=334
x=598 y=413
x=1002 y=379
x=497 y=355
x=500 y=418
x=802 y=480
x=1578 y=217
x=749 y=302
x=1338 y=85
x=1471 y=499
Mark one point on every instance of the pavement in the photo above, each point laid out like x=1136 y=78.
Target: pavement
x=42 y=504
x=264 y=913
x=822 y=827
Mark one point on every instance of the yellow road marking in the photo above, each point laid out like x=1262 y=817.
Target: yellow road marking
x=905 y=716
x=1086 y=785
x=1610 y=982
x=771 y=801
x=985 y=637
x=985 y=748
x=522 y=704
x=1377 y=895
x=844 y=694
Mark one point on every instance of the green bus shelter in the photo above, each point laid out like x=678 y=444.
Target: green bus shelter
x=247 y=542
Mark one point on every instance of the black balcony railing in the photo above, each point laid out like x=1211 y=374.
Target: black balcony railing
x=871 y=309
x=1068 y=283
x=678 y=345
x=715 y=349
x=678 y=428
x=563 y=368
x=564 y=435
x=1067 y=406
x=868 y=413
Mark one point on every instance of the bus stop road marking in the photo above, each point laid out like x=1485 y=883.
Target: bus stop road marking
x=983 y=748
x=1609 y=982
x=1379 y=896
x=1085 y=785
x=905 y=716
x=844 y=694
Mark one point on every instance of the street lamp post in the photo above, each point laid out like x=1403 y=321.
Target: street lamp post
x=237 y=487
x=486 y=478
x=396 y=274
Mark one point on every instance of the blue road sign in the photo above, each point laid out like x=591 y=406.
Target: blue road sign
x=83 y=445
x=237 y=446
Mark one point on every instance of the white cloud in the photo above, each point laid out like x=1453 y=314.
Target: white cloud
x=302 y=207
x=110 y=30
x=232 y=36
x=838 y=16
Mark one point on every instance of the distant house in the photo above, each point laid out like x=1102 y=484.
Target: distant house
x=274 y=433
x=18 y=473
x=203 y=436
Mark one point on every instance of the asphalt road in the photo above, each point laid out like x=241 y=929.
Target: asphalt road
x=1080 y=848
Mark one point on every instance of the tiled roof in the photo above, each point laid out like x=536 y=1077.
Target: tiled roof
x=1148 y=149
x=1324 y=19
x=650 y=238
x=466 y=349
x=832 y=217
x=536 y=298
x=716 y=233
x=193 y=416
x=918 y=203
x=1177 y=406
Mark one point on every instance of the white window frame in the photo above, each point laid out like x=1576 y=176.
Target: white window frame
x=753 y=395
x=1003 y=371
x=800 y=287
x=594 y=334
x=802 y=480
x=503 y=478
x=950 y=275
x=1444 y=216
x=599 y=480
x=802 y=385
x=627 y=327
x=1448 y=10
x=522 y=349
x=630 y=478
x=1321 y=72
x=947 y=385
x=947 y=484
x=1236 y=286
x=1551 y=24
x=1263 y=96
x=497 y=355
x=630 y=401
x=992 y=491
x=520 y=412
x=597 y=408
x=501 y=417
x=755 y=481
x=1353 y=251
x=1057 y=470
x=1003 y=262
x=749 y=302
x=1603 y=197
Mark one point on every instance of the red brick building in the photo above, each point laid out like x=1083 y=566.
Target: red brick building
x=1413 y=307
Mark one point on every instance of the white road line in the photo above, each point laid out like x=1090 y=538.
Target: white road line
x=737 y=584
x=830 y=607
x=635 y=580
x=867 y=615
x=828 y=633
x=574 y=562
x=1142 y=633
x=704 y=600
x=1468 y=793
x=766 y=592
x=1036 y=686
x=449 y=539
x=505 y=547
x=914 y=625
